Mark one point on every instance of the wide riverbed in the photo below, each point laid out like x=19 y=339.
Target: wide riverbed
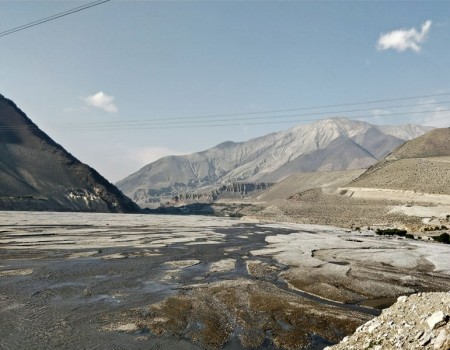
x=113 y=281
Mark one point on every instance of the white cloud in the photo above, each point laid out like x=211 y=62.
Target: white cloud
x=102 y=101
x=404 y=39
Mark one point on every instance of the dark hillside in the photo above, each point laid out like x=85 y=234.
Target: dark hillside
x=36 y=173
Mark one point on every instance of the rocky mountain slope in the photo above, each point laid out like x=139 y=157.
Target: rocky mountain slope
x=420 y=165
x=297 y=183
x=326 y=145
x=409 y=188
x=38 y=174
x=420 y=321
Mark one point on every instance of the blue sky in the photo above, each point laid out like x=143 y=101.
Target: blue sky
x=118 y=84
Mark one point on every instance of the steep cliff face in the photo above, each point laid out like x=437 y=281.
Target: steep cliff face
x=231 y=190
x=38 y=174
x=326 y=145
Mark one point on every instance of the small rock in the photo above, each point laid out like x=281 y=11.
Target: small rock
x=345 y=339
x=374 y=325
x=367 y=344
x=425 y=339
x=418 y=335
x=437 y=319
x=360 y=328
x=402 y=299
x=440 y=340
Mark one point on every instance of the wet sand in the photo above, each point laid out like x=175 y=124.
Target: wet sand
x=102 y=281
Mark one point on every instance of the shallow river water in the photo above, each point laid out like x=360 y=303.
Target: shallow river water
x=104 y=281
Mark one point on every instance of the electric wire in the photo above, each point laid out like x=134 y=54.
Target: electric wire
x=53 y=17
x=190 y=125
x=185 y=126
x=176 y=120
x=237 y=119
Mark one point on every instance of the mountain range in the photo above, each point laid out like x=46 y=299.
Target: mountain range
x=36 y=173
x=326 y=145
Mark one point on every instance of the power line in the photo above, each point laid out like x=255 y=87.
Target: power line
x=208 y=116
x=176 y=120
x=249 y=118
x=53 y=17
x=185 y=125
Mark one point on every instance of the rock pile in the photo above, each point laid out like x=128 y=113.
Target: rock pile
x=420 y=321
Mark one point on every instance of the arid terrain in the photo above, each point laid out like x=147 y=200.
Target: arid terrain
x=104 y=281
x=418 y=321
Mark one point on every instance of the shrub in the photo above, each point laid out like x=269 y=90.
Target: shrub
x=443 y=238
x=391 y=232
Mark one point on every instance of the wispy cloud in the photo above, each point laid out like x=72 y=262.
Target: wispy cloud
x=404 y=39
x=102 y=101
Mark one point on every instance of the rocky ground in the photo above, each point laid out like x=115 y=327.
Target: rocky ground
x=425 y=175
x=318 y=207
x=420 y=321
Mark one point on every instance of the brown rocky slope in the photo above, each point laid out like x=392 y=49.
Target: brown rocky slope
x=421 y=165
x=420 y=321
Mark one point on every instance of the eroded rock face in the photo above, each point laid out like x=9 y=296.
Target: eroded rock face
x=420 y=321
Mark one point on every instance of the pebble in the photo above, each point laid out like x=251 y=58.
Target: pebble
x=373 y=326
x=437 y=319
x=425 y=339
x=402 y=299
x=440 y=340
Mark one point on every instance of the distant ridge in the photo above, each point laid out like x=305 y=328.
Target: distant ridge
x=335 y=144
x=36 y=173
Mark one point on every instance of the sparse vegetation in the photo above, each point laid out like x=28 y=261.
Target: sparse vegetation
x=442 y=238
x=391 y=232
x=436 y=228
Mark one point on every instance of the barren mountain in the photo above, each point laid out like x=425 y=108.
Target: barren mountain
x=326 y=145
x=297 y=183
x=38 y=174
x=409 y=188
x=421 y=165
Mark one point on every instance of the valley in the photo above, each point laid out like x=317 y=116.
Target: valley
x=298 y=238
x=71 y=280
